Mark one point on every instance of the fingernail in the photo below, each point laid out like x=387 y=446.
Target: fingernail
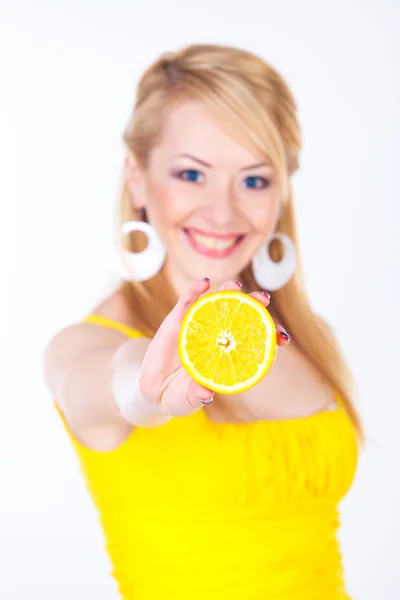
x=205 y=279
x=266 y=294
x=238 y=282
x=284 y=334
x=206 y=400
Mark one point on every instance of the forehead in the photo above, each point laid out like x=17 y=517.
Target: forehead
x=189 y=128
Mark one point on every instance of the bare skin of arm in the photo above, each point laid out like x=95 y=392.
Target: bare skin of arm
x=81 y=360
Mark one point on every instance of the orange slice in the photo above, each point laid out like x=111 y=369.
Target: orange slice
x=227 y=341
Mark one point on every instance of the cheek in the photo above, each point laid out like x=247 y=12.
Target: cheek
x=167 y=205
x=263 y=215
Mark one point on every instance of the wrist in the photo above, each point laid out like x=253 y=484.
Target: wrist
x=129 y=401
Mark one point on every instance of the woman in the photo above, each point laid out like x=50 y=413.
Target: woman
x=237 y=498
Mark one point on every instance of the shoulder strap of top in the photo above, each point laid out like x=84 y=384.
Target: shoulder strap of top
x=106 y=322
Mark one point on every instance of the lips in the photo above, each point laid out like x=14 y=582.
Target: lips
x=213 y=245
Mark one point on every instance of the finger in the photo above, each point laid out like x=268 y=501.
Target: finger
x=283 y=338
x=263 y=297
x=189 y=296
x=231 y=285
x=198 y=396
x=183 y=396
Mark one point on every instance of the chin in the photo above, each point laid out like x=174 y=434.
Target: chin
x=216 y=270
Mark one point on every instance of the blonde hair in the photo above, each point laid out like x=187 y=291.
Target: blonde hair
x=254 y=103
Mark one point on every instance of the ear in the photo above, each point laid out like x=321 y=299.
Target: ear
x=135 y=180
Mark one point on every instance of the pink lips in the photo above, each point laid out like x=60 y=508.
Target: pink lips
x=213 y=252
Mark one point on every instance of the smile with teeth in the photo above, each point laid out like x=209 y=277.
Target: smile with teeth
x=213 y=243
x=216 y=246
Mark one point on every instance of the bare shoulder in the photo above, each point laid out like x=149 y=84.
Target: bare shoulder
x=80 y=338
x=115 y=306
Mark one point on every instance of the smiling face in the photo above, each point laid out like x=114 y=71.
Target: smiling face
x=212 y=202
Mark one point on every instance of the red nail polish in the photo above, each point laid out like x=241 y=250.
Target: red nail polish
x=285 y=335
x=238 y=282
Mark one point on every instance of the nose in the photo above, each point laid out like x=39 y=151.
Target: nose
x=221 y=209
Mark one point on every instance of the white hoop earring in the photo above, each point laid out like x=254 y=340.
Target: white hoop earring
x=271 y=275
x=143 y=265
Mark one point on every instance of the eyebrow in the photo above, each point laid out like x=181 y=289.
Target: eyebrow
x=256 y=166
x=202 y=162
x=206 y=164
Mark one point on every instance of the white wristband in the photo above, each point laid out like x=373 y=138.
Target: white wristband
x=130 y=402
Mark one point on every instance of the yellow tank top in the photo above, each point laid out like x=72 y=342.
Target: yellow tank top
x=201 y=510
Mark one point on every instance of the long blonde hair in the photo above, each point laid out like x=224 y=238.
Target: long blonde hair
x=254 y=103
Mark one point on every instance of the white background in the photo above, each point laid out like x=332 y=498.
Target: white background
x=68 y=71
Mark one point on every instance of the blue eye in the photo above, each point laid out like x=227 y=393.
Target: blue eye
x=190 y=175
x=256 y=183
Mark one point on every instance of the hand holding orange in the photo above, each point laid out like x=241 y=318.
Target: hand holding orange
x=223 y=341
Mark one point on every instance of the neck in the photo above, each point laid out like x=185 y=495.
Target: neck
x=179 y=280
